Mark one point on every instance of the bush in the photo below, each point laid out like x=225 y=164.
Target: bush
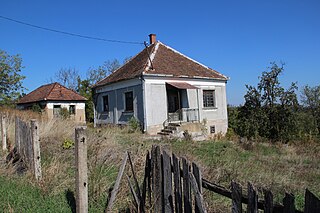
x=134 y=124
x=67 y=143
x=64 y=113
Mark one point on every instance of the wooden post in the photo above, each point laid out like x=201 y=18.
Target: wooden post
x=268 y=201
x=82 y=169
x=198 y=196
x=167 y=183
x=186 y=186
x=236 y=194
x=177 y=184
x=252 y=199
x=311 y=203
x=4 y=132
x=36 y=149
x=288 y=203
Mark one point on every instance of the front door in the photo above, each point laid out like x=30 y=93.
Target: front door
x=173 y=104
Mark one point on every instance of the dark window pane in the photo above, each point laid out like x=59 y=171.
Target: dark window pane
x=105 y=103
x=72 y=109
x=129 y=101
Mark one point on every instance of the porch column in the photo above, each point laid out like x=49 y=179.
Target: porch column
x=199 y=105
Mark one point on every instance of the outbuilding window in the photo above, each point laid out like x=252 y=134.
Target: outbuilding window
x=128 y=101
x=72 y=109
x=209 y=98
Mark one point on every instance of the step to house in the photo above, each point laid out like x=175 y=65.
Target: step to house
x=167 y=131
x=163 y=133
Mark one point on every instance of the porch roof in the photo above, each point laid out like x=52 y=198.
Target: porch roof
x=182 y=85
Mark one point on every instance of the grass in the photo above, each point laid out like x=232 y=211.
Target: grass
x=281 y=168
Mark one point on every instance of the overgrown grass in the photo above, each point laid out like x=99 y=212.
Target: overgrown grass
x=281 y=168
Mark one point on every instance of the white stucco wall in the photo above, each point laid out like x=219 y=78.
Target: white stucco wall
x=66 y=105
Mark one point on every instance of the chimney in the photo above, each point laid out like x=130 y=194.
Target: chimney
x=153 y=38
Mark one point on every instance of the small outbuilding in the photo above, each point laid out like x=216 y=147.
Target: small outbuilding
x=52 y=99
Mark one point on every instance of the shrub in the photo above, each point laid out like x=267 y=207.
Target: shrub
x=67 y=143
x=134 y=124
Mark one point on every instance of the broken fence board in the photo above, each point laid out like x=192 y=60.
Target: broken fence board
x=198 y=177
x=312 y=203
x=186 y=186
x=288 y=203
x=117 y=184
x=198 y=196
x=252 y=199
x=268 y=199
x=157 y=180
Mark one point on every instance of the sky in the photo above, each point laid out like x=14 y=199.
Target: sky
x=237 y=38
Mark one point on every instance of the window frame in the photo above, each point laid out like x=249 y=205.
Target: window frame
x=128 y=107
x=72 y=109
x=205 y=99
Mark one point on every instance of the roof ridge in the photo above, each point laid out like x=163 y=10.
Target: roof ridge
x=53 y=85
x=206 y=67
x=152 y=56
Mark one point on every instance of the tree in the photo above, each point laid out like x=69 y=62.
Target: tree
x=108 y=67
x=310 y=99
x=68 y=77
x=10 y=78
x=269 y=110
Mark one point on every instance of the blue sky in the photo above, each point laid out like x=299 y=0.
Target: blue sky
x=237 y=38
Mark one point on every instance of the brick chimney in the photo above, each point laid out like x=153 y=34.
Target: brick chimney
x=153 y=38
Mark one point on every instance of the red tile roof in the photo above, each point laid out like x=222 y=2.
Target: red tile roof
x=165 y=61
x=51 y=92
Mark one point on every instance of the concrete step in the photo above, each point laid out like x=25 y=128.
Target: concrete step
x=163 y=133
x=173 y=128
x=167 y=130
x=174 y=124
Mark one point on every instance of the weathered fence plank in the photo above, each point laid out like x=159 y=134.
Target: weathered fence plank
x=288 y=203
x=3 y=132
x=82 y=170
x=146 y=183
x=177 y=184
x=157 y=180
x=197 y=174
x=252 y=199
x=36 y=149
x=268 y=201
x=134 y=194
x=167 y=183
x=117 y=184
x=186 y=186
x=198 y=196
x=312 y=203
x=17 y=135
x=236 y=194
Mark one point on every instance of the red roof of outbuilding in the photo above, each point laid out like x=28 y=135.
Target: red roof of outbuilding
x=51 y=92
x=160 y=59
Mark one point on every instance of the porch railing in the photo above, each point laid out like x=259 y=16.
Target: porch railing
x=183 y=115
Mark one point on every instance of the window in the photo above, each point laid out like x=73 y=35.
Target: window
x=56 y=110
x=106 y=103
x=128 y=101
x=212 y=129
x=72 y=109
x=209 y=98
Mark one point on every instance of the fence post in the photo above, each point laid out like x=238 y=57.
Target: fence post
x=197 y=174
x=81 y=172
x=252 y=199
x=36 y=149
x=4 y=132
x=236 y=194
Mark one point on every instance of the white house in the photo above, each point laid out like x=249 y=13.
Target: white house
x=160 y=86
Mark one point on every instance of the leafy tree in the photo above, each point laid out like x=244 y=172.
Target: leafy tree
x=97 y=74
x=269 y=110
x=10 y=78
x=310 y=99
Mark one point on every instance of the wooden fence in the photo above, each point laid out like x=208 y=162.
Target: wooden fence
x=27 y=145
x=174 y=185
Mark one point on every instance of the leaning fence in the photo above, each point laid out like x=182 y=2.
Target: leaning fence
x=175 y=185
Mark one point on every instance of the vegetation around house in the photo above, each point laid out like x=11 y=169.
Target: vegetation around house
x=279 y=167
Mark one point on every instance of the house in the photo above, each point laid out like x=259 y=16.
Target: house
x=52 y=98
x=163 y=88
